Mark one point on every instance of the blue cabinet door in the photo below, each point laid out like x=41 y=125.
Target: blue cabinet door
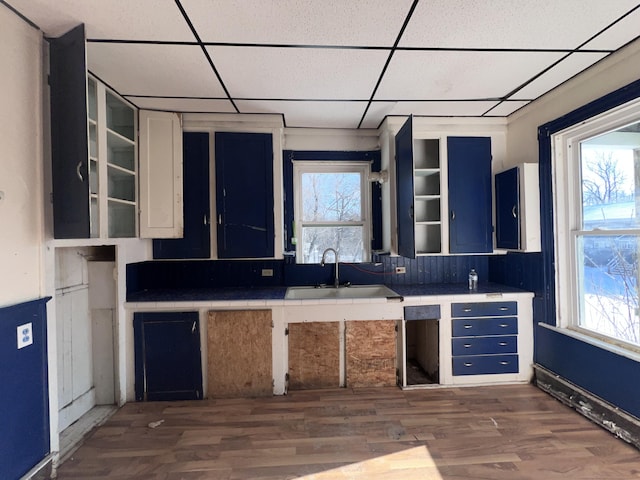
x=69 y=142
x=244 y=195
x=405 y=190
x=196 y=240
x=469 y=173
x=508 y=209
x=167 y=356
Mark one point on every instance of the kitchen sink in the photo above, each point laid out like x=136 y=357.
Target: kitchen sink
x=351 y=291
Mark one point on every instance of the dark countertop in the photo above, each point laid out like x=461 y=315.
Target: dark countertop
x=278 y=293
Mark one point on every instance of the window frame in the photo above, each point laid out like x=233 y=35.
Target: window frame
x=363 y=168
x=567 y=221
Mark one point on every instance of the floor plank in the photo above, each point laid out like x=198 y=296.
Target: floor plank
x=504 y=432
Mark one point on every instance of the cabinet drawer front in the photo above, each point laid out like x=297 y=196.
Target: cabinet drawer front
x=484 y=345
x=483 y=309
x=422 y=312
x=485 y=364
x=474 y=327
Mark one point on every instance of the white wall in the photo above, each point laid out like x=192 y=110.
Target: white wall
x=615 y=71
x=21 y=218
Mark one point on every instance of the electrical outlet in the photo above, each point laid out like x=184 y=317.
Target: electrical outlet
x=267 y=272
x=401 y=269
x=25 y=335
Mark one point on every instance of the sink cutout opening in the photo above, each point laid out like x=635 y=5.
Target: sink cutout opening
x=422 y=352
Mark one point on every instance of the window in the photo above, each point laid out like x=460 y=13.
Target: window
x=597 y=176
x=332 y=210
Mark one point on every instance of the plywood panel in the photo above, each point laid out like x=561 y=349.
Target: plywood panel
x=370 y=353
x=314 y=355
x=239 y=353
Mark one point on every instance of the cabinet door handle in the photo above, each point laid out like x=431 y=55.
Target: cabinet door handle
x=204 y=219
x=453 y=214
x=467 y=326
x=468 y=364
x=514 y=212
x=78 y=173
x=220 y=219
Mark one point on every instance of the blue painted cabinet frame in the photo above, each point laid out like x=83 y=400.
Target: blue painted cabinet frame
x=507 y=188
x=470 y=204
x=244 y=194
x=69 y=141
x=196 y=240
x=167 y=356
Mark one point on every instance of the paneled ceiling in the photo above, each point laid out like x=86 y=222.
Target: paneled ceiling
x=339 y=63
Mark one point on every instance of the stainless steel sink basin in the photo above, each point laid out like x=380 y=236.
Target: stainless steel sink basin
x=352 y=291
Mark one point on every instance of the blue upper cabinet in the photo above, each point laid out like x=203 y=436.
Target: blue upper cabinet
x=405 y=190
x=469 y=185
x=507 y=189
x=244 y=195
x=196 y=242
x=69 y=140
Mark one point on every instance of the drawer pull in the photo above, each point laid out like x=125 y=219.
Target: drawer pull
x=504 y=363
x=466 y=309
x=504 y=309
x=467 y=345
x=504 y=325
x=467 y=326
x=468 y=364
x=503 y=344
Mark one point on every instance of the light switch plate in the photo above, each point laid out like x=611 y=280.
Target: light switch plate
x=25 y=335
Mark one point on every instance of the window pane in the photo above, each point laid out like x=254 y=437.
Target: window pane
x=608 y=285
x=331 y=197
x=346 y=240
x=608 y=164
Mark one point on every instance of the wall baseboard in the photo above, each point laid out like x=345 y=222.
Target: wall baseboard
x=42 y=471
x=616 y=421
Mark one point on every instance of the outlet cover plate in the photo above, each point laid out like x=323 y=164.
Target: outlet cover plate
x=25 y=335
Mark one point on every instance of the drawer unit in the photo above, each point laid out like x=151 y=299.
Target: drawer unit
x=484 y=309
x=484 y=345
x=484 y=338
x=485 y=364
x=484 y=326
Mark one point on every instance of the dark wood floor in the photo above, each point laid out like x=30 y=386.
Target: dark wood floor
x=506 y=432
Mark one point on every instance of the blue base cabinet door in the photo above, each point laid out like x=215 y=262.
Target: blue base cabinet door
x=167 y=356
x=469 y=173
x=244 y=194
x=196 y=241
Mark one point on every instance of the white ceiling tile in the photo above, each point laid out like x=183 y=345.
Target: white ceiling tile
x=308 y=73
x=619 y=34
x=157 y=70
x=309 y=113
x=299 y=22
x=506 y=108
x=418 y=75
x=112 y=19
x=540 y=24
x=378 y=110
x=566 y=69
x=200 y=105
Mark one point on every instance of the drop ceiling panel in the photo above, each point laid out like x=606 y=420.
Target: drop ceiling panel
x=506 y=108
x=417 y=75
x=309 y=114
x=543 y=24
x=156 y=70
x=200 y=105
x=299 y=22
x=378 y=110
x=112 y=19
x=566 y=69
x=294 y=73
x=619 y=34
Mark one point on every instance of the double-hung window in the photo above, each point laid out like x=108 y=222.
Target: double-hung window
x=332 y=210
x=597 y=225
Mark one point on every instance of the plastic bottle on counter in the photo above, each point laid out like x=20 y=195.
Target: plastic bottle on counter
x=473 y=279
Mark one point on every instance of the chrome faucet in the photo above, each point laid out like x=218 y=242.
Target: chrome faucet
x=336 y=282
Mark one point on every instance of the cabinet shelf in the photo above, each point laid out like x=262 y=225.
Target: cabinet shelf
x=121 y=201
